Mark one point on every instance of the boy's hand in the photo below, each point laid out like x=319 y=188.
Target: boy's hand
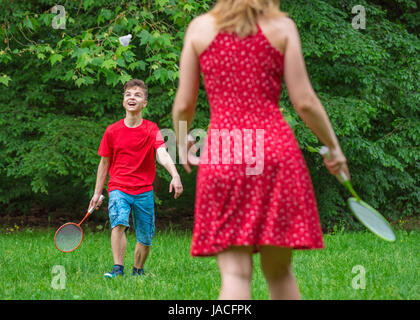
x=95 y=202
x=176 y=185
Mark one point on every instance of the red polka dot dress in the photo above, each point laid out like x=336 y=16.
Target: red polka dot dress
x=253 y=185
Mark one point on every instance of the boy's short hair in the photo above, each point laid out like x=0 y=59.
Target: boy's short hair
x=137 y=83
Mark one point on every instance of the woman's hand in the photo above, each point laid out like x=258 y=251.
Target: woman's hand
x=337 y=162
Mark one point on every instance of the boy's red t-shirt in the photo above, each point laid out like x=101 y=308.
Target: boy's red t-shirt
x=132 y=155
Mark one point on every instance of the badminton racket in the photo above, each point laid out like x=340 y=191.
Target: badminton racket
x=363 y=212
x=70 y=235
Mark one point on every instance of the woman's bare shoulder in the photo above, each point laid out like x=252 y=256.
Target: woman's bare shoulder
x=288 y=25
x=201 y=23
x=202 y=31
x=277 y=30
x=283 y=23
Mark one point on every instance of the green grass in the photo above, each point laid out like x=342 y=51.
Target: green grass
x=27 y=259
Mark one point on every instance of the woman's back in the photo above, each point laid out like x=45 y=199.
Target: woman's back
x=243 y=79
x=262 y=55
x=274 y=29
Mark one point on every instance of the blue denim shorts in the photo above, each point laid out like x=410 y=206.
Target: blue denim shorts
x=142 y=205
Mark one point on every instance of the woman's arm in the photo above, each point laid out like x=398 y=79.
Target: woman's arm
x=306 y=102
x=186 y=97
x=301 y=93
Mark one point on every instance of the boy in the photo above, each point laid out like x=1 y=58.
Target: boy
x=127 y=152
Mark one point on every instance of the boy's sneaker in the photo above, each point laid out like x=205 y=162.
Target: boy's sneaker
x=117 y=271
x=137 y=272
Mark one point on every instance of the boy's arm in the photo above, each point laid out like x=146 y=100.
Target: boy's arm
x=165 y=160
x=100 y=181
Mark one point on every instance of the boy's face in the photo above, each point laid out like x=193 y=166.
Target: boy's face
x=134 y=99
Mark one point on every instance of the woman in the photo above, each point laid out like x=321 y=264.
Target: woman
x=245 y=48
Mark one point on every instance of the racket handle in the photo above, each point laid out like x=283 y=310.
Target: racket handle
x=100 y=199
x=325 y=153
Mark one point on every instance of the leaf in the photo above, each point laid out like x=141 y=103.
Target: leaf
x=145 y=37
x=87 y=43
x=188 y=7
x=46 y=18
x=89 y=80
x=69 y=74
x=120 y=62
x=129 y=56
x=78 y=52
x=121 y=50
x=28 y=23
x=97 y=61
x=161 y=74
x=162 y=3
x=4 y=79
x=111 y=78
x=137 y=29
x=80 y=81
x=142 y=65
x=107 y=14
x=109 y=64
x=100 y=19
x=55 y=57
x=83 y=61
x=133 y=65
x=125 y=78
x=40 y=56
x=87 y=4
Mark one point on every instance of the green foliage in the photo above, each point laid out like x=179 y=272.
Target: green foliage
x=60 y=88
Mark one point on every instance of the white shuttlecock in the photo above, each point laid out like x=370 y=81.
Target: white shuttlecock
x=125 y=40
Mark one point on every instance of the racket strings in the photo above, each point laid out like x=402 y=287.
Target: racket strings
x=372 y=220
x=68 y=237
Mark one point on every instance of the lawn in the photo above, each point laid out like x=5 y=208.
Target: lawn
x=352 y=266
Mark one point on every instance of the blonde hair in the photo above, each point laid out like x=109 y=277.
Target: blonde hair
x=240 y=16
